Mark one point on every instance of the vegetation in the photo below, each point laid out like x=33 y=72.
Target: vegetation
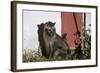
x=85 y=47
x=36 y=56
x=85 y=44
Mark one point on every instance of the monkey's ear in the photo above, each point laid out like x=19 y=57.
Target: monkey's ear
x=54 y=24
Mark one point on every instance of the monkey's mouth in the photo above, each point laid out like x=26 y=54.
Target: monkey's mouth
x=49 y=33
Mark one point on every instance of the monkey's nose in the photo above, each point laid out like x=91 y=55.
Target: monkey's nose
x=49 y=30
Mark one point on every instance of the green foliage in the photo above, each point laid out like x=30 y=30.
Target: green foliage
x=29 y=57
x=85 y=44
x=36 y=56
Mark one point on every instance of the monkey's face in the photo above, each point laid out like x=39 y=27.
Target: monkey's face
x=49 y=28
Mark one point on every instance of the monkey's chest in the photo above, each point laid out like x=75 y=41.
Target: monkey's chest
x=50 y=41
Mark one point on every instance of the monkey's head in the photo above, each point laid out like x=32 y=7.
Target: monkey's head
x=49 y=28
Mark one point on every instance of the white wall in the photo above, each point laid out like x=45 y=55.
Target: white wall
x=30 y=21
x=88 y=23
x=5 y=38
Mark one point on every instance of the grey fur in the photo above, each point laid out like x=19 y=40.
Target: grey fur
x=52 y=45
